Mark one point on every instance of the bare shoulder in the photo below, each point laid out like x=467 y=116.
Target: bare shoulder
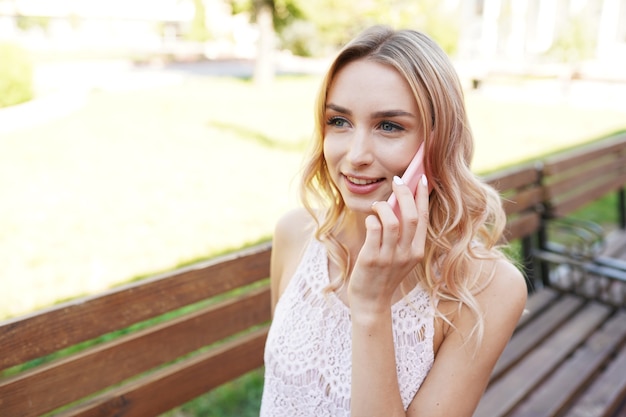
x=505 y=289
x=291 y=234
x=502 y=302
x=501 y=285
x=294 y=225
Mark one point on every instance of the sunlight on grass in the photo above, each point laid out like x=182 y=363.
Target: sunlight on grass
x=139 y=181
x=509 y=132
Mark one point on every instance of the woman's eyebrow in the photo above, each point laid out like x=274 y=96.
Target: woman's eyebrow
x=377 y=115
x=392 y=113
x=338 y=109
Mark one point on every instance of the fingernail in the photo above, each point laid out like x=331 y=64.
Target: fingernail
x=424 y=180
x=398 y=180
x=374 y=203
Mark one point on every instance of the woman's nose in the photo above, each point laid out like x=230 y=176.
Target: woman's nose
x=360 y=152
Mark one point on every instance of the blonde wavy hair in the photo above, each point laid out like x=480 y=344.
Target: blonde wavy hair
x=466 y=219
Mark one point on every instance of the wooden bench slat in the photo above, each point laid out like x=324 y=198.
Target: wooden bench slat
x=608 y=392
x=522 y=226
x=580 y=191
x=47 y=331
x=569 y=159
x=565 y=384
x=178 y=383
x=568 y=204
x=533 y=334
x=51 y=386
x=524 y=200
x=536 y=303
x=513 y=178
x=583 y=177
x=508 y=391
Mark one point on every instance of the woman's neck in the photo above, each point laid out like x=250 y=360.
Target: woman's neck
x=351 y=231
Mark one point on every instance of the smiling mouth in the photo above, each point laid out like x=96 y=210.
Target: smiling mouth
x=361 y=181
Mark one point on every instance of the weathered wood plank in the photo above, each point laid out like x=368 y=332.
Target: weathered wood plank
x=536 y=304
x=44 y=332
x=63 y=382
x=178 y=383
x=570 y=203
x=508 y=391
x=531 y=335
x=569 y=380
x=522 y=226
x=607 y=395
x=577 y=157
x=513 y=178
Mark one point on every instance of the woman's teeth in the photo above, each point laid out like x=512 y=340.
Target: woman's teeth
x=360 y=181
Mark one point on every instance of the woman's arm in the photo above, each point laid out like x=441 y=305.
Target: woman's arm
x=392 y=248
x=291 y=235
x=461 y=370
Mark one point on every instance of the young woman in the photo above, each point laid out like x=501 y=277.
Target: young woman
x=378 y=314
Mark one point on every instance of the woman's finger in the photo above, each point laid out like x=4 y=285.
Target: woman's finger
x=373 y=237
x=408 y=212
x=390 y=229
x=421 y=201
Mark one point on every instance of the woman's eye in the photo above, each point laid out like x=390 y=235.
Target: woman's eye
x=389 y=127
x=337 y=122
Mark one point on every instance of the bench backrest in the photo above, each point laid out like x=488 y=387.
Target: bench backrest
x=575 y=178
x=160 y=361
x=521 y=192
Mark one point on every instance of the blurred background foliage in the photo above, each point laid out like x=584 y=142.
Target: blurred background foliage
x=16 y=75
x=314 y=28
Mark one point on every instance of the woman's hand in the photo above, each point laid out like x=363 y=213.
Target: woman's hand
x=393 y=247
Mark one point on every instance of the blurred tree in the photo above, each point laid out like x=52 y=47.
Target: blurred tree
x=16 y=75
x=271 y=17
x=319 y=27
x=338 y=21
x=26 y=23
x=575 y=41
x=199 y=31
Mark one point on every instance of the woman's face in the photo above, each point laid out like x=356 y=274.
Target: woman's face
x=371 y=133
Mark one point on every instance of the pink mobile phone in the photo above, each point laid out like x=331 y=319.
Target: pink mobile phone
x=411 y=177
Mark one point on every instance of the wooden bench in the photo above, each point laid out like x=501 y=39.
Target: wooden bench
x=144 y=348
x=520 y=188
x=185 y=333
x=567 y=356
x=570 y=181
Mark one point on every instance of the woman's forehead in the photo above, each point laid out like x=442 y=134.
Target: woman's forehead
x=366 y=83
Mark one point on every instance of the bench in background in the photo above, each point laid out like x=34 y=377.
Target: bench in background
x=163 y=360
x=578 y=255
x=567 y=356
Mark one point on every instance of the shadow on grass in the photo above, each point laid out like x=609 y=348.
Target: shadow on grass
x=259 y=138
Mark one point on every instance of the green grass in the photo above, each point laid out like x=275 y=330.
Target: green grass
x=136 y=182
x=241 y=398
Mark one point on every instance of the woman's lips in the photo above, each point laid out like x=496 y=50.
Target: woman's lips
x=360 y=185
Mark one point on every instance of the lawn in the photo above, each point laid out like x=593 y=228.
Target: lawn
x=138 y=181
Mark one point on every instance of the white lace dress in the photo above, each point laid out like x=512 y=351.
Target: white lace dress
x=308 y=350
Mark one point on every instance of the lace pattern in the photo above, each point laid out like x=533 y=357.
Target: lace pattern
x=308 y=350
